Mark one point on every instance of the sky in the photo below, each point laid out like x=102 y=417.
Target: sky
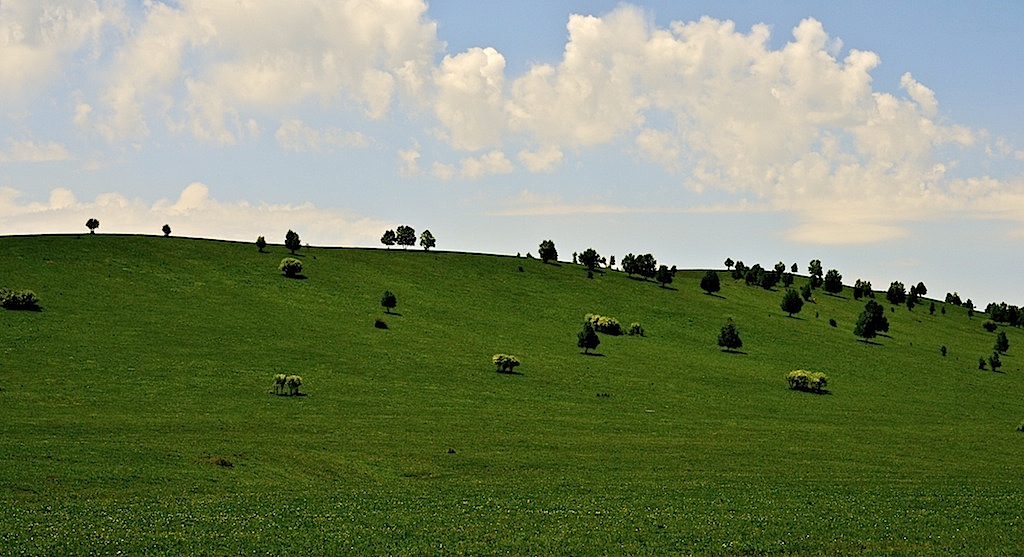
x=884 y=138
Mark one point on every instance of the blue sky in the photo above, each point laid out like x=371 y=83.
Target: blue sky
x=884 y=138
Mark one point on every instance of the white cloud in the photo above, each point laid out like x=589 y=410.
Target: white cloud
x=30 y=151
x=546 y=159
x=194 y=213
x=295 y=135
x=470 y=98
x=494 y=162
x=531 y=204
x=409 y=161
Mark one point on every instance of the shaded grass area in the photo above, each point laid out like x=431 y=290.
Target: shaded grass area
x=148 y=371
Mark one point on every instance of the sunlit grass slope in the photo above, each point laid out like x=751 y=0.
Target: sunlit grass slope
x=136 y=413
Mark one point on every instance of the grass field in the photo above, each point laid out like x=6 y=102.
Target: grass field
x=137 y=418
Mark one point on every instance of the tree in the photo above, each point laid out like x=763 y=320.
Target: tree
x=292 y=241
x=629 y=264
x=728 y=263
x=780 y=268
x=547 y=251
x=427 y=240
x=388 y=301
x=291 y=267
x=587 y=339
x=871 y=321
x=787 y=279
x=166 y=230
x=794 y=268
x=1002 y=343
x=922 y=290
x=806 y=293
x=792 y=302
x=92 y=225
x=833 y=282
x=405 y=236
x=611 y=262
x=862 y=289
x=646 y=266
x=729 y=339
x=994 y=361
x=589 y=258
x=261 y=243
x=931 y=309
x=665 y=275
x=815 y=271
x=953 y=298
x=739 y=270
x=896 y=294
x=710 y=283
x=389 y=238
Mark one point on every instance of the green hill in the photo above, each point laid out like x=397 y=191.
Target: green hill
x=137 y=417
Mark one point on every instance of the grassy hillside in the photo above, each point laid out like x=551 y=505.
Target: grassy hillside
x=136 y=413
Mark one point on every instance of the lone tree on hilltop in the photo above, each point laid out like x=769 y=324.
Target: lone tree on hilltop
x=547 y=251
x=729 y=263
x=405 y=236
x=710 y=283
x=427 y=240
x=589 y=258
x=166 y=230
x=388 y=301
x=792 y=302
x=389 y=238
x=729 y=339
x=92 y=225
x=815 y=271
x=261 y=243
x=922 y=290
x=292 y=241
x=833 y=282
x=587 y=339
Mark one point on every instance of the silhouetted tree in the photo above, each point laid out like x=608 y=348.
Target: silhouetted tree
x=833 y=282
x=547 y=251
x=587 y=339
x=665 y=275
x=405 y=236
x=815 y=271
x=427 y=240
x=261 y=243
x=92 y=225
x=729 y=338
x=871 y=321
x=292 y=241
x=389 y=238
x=1002 y=343
x=388 y=301
x=896 y=294
x=166 y=230
x=589 y=258
x=728 y=263
x=710 y=283
x=792 y=302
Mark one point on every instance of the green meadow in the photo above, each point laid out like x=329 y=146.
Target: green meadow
x=138 y=419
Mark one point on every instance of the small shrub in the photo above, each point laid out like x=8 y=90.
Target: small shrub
x=19 y=300
x=832 y=322
x=1020 y=427
x=635 y=329
x=989 y=326
x=380 y=323
x=810 y=381
x=291 y=267
x=280 y=382
x=943 y=350
x=603 y=324
x=294 y=382
x=505 y=363
x=981 y=364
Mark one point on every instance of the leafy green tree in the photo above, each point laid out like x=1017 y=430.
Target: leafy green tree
x=166 y=230
x=754 y=275
x=815 y=271
x=739 y=270
x=665 y=275
x=405 y=236
x=806 y=293
x=833 y=282
x=922 y=290
x=589 y=258
x=261 y=243
x=896 y=294
x=794 y=269
x=710 y=282
x=1002 y=343
x=728 y=263
x=769 y=279
x=389 y=239
x=780 y=268
x=547 y=251
x=587 y=339
x=92 y=225
x=871 y=321
x=931 y=309
x=953 y=298
x=388 y=301
x=994 y=362
x=792 y=302
x=629 y=264
x=291 y=267
x=292 y=241
x=647 y=265
x=787 y=279
x=862 y=289
x=729 y=338
x=427 y=240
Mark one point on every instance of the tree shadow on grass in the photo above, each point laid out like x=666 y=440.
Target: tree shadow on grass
x=395 y=313
x=673 y=288
x=731 y=351
x=871 y=342
x=512 y=372
x=713 y=295
x=593 y=354
x=296 y=277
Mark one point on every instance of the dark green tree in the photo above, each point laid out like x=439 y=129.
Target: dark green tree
x=547 y=251
x=833 y=282
x=646 y=266
x=806 y=293
x=589 y=258
x=92 y=225
x=1002 y=343
x=728 y=263
x=427 y=240
x=871 y=321
x=405 y=236
x=388 y=301
x=787 y=279
x=665 y=275
x=792 y=302
x=166 y=230
x=389 y=239
x=994 y=361
x=815 y=271
x=922 y=290
x=710 y=283
x=896 y=294
x=739 y=270
x=629 y=264
x=587 y=339
x=291 y=267
x=931 y=309
x=794 y=269
x=729 y=338
x=261 y=243
x=292 y=241
x=780 y=268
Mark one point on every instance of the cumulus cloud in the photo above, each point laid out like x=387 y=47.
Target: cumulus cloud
x=469 y=99
x=194 y=213
x=494 y=162
x=295 y=135
x=30 y=151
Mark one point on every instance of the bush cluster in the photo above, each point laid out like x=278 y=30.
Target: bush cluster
x=291 y=267
x=505 y=363
x=604 y=324
x=283 y=381
x=635 y=329
x=19 y=299
x=811 y=381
